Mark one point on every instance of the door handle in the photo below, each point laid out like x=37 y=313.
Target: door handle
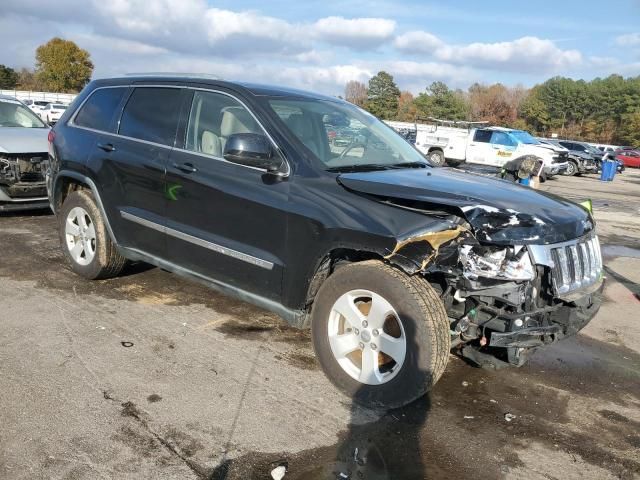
x=185 y=167
x=107 y=147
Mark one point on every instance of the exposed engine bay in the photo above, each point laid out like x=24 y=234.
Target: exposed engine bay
x=22 y=179
x=503 y=302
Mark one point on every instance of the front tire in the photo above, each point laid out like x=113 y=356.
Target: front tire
x=381 y=336
x=572 y=169
x=84 y=238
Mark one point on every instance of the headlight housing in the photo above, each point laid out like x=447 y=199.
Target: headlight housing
x=510 y=263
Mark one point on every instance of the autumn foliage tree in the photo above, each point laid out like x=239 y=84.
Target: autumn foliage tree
x=605 y=110
x=356 y=93
x=407 y=109
x=62 y=66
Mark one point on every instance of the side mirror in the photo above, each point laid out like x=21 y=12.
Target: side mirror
x=252 y=150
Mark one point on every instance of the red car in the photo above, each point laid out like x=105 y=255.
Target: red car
x=630 y=158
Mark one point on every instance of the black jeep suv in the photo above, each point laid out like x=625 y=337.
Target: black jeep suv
x=391 y=262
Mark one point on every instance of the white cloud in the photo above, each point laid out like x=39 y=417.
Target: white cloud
x=526 y=54
x=418 y=42
x=628 y=40
x=191 y=26
x=355 y=32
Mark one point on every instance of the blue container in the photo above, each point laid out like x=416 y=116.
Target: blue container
x=608 y=170
x=525 y=181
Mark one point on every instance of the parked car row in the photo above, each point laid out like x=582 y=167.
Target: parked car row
x=476 y=143
x=49 y=112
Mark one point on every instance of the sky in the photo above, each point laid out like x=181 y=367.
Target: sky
x=320 y=45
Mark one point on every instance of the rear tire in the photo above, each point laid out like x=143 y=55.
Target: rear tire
x=437 y=157
x=84 y=238
x=413 y=342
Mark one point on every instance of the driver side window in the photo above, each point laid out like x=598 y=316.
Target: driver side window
x=213 y=119
x=503 y=139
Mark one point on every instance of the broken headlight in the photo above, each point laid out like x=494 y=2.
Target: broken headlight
x=511 y=263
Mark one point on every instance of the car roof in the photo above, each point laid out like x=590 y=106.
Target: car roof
x=9 y=97
x=256 y=89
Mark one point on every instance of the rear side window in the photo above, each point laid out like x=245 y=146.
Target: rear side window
x=151 y=114
x=483 y=136
x=97 y=112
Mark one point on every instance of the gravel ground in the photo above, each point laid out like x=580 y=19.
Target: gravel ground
x=151 y=376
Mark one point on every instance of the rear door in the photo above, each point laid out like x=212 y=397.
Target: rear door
x=225 y=221
x=479 y=149
x=132 y=163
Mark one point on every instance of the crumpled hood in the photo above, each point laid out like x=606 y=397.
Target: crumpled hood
x=23 y=140
x=500 y=212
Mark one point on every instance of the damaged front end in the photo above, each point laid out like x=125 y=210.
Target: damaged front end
x=22 y=181
x=505 y=301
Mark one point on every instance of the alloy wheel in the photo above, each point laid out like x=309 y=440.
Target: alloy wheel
x=367 y=337
x=80 y=235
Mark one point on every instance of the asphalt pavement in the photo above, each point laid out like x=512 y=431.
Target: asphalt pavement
x=151 y=376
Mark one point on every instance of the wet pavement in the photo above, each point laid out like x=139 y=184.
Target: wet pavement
x=152 y=376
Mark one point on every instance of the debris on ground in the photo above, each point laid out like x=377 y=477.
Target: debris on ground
x=126 y=344
x=509 y=416
x=469 y=417
x=278 y=472
x=465 y=384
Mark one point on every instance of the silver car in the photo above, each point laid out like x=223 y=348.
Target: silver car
x=23 y=153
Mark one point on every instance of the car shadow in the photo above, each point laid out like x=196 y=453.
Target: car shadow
x=630 y=285
x=387 y=448
x=39 y=212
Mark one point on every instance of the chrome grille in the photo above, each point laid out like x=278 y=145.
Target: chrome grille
x=576 y=265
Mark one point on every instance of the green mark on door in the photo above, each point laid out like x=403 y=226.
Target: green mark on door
x=171 y=191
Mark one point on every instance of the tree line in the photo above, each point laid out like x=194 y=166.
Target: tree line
x=603 y=110
x=61 y=66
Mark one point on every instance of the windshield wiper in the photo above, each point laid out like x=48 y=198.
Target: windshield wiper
x=410 y=165
x=364 y=167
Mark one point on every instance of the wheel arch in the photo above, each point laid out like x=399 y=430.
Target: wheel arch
x=67 y=181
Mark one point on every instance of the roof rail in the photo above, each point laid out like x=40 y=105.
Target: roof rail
x=174 y=74
x=450 y=122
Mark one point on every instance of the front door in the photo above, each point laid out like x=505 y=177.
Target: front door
x=225 y=221
x=503 y=146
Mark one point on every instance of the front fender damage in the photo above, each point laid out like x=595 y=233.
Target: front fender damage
x=497 y=320
x=416 y=251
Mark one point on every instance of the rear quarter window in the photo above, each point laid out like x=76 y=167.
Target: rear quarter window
x=151 y=114
x=98 y=111
x=483 y=136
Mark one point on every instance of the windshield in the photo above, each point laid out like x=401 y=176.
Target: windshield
x=344 y=137
x=592 y=149
x=14 y=114
x=524 y=137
